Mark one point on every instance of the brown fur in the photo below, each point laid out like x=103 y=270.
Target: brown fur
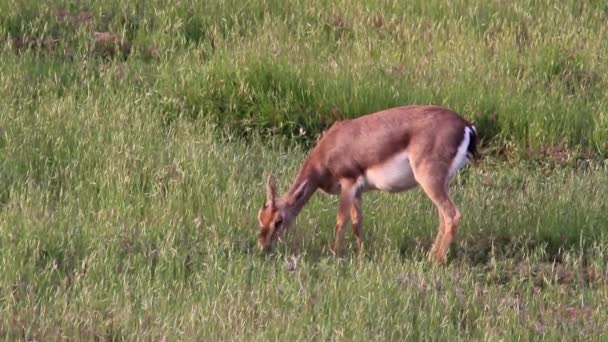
x=430 y=135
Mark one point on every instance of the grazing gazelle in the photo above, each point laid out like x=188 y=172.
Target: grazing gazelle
x=392 y=150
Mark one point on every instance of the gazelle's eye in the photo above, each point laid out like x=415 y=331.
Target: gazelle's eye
x=278 y=222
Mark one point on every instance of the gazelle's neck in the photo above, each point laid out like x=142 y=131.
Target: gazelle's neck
x=304 y=186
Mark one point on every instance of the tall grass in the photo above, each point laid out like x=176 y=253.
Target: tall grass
x=530 y=73
x=131 y=170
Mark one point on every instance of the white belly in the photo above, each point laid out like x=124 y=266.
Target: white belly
x=393 y=175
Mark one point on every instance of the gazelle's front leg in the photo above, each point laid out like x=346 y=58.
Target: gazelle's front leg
x=356 y=218
x=347 y=196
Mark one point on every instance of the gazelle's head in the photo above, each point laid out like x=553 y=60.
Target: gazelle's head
x=272 y=216
x=277 y=213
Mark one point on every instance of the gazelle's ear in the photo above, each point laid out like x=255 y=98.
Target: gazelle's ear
x=271 y=189
x=299 y=192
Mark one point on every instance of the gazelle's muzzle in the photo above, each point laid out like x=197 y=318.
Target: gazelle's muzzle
x=269 y=237
x=264 y=244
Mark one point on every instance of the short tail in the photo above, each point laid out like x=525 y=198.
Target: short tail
x=472 y=153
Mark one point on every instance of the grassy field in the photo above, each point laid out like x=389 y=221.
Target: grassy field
x=135 y=137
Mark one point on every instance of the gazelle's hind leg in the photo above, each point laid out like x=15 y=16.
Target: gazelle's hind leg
x=434 y=181
x=451 y=219
x=439 y=236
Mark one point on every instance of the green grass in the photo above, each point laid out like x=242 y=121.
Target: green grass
x=130 y=181
x=531 y=74
x=153 y=234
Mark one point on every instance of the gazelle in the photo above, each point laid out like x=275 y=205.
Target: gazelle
x=392 y=150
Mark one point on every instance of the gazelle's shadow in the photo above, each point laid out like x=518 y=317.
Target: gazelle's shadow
x=480 y=249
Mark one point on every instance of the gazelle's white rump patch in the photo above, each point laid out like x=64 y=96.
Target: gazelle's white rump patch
x=461 y=154
x=393 y=175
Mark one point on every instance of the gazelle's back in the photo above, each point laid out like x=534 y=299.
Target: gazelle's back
x=350 y=147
